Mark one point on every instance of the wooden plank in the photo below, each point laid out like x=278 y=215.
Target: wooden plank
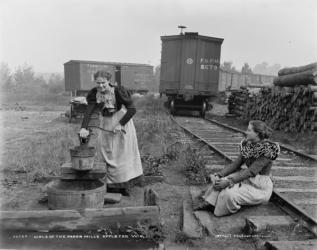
x=230 y=153
x=87 y=219
x=292 y=167
x=205 y=220
x=305 y=201
x=191 y=228
x=256 y=224
x=287 y=245
x=284 y=159
x=226 y=143
x=294 y=178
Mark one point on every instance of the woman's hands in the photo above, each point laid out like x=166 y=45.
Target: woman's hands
x=213 y=177
x=221 y=183
x=83 y=132
x=117 y=129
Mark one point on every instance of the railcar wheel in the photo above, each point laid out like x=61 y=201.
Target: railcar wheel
x=172 y=107
x=203 y=109
x=71 y=113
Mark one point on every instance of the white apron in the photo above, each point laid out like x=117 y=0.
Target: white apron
x=120 y=151
x=252 y=191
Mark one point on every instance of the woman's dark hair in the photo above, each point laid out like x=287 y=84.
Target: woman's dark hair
x=259 y=127
x=103 y=74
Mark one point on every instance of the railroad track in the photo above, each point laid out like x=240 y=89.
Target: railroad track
x=295 y=185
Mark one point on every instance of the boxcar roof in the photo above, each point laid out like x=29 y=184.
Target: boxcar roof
x=191 y=35
x=110 y=63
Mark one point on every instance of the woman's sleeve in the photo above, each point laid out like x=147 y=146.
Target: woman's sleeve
x=232 y=167
x=253 y=170
x=92 y=104
x=125 y=98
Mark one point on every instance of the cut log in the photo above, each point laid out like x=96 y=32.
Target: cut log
x=301 y=78
x=293 y=70
x=87 y=219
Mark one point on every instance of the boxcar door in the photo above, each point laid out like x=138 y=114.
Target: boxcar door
x=188 y=64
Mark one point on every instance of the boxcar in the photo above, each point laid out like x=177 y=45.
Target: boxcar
x=79 y=79
x=133 y=76
x=190 y=66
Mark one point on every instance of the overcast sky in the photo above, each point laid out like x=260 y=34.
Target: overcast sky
x=47 y=33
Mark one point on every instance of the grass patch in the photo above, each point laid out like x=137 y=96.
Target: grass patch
x=155 y=129
x=42 y=156
x=41 y=99
x=182 y=238
x=193 y=163
x=158 y=135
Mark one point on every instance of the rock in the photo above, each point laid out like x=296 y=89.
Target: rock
x=112 y=198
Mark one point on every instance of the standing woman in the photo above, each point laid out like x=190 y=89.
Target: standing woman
x=246 y=181
x=118 y=148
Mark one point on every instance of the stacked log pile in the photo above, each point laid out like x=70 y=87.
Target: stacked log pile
x=304 y=75
x=237 y=101
x=283 y=108
x=290 y=105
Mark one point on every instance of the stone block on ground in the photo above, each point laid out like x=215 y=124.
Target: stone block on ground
x=256 y=224
x=191 y=228
x=112 y=198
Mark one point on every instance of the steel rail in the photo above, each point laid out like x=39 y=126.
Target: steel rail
x=281 y=145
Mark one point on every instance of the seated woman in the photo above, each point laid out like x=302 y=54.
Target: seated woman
x=247 y=180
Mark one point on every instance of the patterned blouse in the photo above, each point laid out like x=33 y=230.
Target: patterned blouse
x=258 y=156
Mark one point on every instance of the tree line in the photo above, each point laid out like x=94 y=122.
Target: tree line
x=24 y=79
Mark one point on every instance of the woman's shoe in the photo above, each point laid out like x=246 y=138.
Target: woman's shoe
x=125 y=191
x=202 y=205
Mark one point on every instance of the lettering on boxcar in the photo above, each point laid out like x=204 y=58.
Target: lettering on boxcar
x=189 y=61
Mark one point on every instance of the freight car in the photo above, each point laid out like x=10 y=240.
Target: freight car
x=79 y=80
x=190 y=65
x=135 y=77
